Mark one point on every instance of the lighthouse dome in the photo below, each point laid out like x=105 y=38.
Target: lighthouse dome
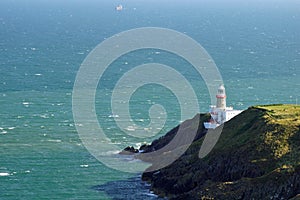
x=221 y=89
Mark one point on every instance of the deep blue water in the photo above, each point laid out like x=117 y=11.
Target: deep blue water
x=256 y=47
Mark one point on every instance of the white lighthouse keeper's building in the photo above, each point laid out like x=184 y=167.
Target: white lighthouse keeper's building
x=220 y=113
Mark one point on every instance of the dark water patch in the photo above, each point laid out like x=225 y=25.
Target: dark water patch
x=131 y=188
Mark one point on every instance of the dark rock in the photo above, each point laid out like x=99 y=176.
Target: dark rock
x=297 y=197
x=129 y=150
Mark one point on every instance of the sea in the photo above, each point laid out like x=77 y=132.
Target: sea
x=255 y=45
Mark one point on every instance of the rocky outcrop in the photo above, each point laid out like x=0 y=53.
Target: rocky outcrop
x=256 y=157
x=129 y=151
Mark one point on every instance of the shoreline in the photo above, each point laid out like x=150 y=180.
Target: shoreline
x=249 y=162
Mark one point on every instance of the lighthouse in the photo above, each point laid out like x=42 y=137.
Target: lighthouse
x=221 y=97
x=220 y=113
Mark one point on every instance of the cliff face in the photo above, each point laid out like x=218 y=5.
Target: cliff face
x=256 y=157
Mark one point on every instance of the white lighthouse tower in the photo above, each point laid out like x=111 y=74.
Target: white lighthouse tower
x=220 y=113
x=221 y=97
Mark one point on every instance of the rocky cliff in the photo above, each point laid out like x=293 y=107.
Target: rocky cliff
x=256 y=157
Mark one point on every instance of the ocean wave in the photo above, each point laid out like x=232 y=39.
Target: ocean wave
x=16 y=145
x=26 y=104
x=44 y=116
x=51 y=140
x=151 y=194
x=110 y=153
x=131 y=128
x=4 y=174
x=113 y=116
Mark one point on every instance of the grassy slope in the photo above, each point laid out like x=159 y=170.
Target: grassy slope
x=273 y=130
x=259 y=147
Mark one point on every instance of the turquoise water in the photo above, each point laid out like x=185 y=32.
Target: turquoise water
x=42 y=44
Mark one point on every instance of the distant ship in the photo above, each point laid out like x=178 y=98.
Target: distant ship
x=119 y=7
x=220 y=113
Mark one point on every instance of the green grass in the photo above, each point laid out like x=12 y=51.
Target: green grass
x=259 y=145
x=284 y=123
x=282 y=114
x=269 y=136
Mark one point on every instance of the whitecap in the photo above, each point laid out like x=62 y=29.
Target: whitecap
x=38 y=74
x=84 y=166
x=138 y=145
x=115 y=143
x=113 y=116
x=240 y=103
x=4 y=174
x=54 y=140
x=45 y=116
x=130 y=128
x=11 y=128
x=109 y=153
x=151 y=194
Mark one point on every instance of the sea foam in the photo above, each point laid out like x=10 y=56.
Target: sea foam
x=4 y=174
